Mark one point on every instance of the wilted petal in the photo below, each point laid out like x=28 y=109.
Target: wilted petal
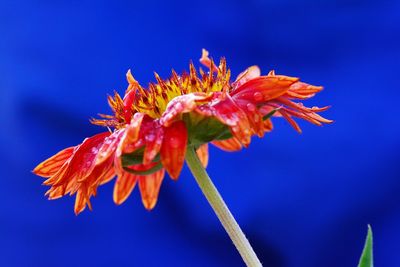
x=50 y=166
x=202 y=153
x=149 y=186
x=173 y=148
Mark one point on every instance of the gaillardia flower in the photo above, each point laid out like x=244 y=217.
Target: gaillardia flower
x=150 y=129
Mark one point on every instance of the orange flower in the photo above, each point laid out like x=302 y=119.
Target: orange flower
x=153 y=127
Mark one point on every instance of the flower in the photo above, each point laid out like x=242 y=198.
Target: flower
x=151 y=129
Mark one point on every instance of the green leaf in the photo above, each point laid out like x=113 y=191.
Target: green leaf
x=156 y=168
x=136 y=157
x=269 y=115
x=367 y=258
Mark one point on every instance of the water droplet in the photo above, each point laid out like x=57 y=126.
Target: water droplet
x=229 y=121
x=174 y=142
x=256 y=118
x=178 y=106
x=251 y=107
x=235 y=129
x=258 y=96
x=150 y=137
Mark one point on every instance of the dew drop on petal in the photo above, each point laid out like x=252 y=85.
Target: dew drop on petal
x=178 y=106
x=251 y=107
x=257 y=96
x=229 y=121
x=150 y=137
x=174 y=142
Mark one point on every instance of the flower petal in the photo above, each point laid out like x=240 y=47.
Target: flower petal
x=50 y=166
x=149 y=186
x=130 y=136
x=206 y=61
x=81 y=162
x=229 y=113
x=263 y=88
x=250 y=73
x=123 y=187
x=81 y=201
x=173 y=148
x=231 y=144
x=153 y=139
x=202 y=153
x=109 y=146
x=181 y=104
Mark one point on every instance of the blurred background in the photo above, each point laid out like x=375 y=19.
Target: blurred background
x=302 y=199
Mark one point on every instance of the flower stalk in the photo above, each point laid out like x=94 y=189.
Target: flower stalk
x=221 y=210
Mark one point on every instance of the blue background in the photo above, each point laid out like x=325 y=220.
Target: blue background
x=303 y=200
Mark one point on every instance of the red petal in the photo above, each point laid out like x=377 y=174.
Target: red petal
x=150 y=187
x=231 y=144
x=129 y=137
x=109 y=146
x=153 y=139
x=82 y=161
x=230 y=114
x=253 y=115
x=173 y=148
x=88 y=188
x=50 y=166
x=263 y=88
x=124 y=185
x=250 y=73
x=202 y=153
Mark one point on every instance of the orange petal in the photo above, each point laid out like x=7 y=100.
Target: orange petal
x=123 y=186
x=50 y=166
x=202 y=153
x=173 y=148
x=150 y=187
x=292 y=122
x=231 y=144
x=81 y=201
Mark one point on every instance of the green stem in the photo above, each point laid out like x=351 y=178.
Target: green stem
x=220 y=209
